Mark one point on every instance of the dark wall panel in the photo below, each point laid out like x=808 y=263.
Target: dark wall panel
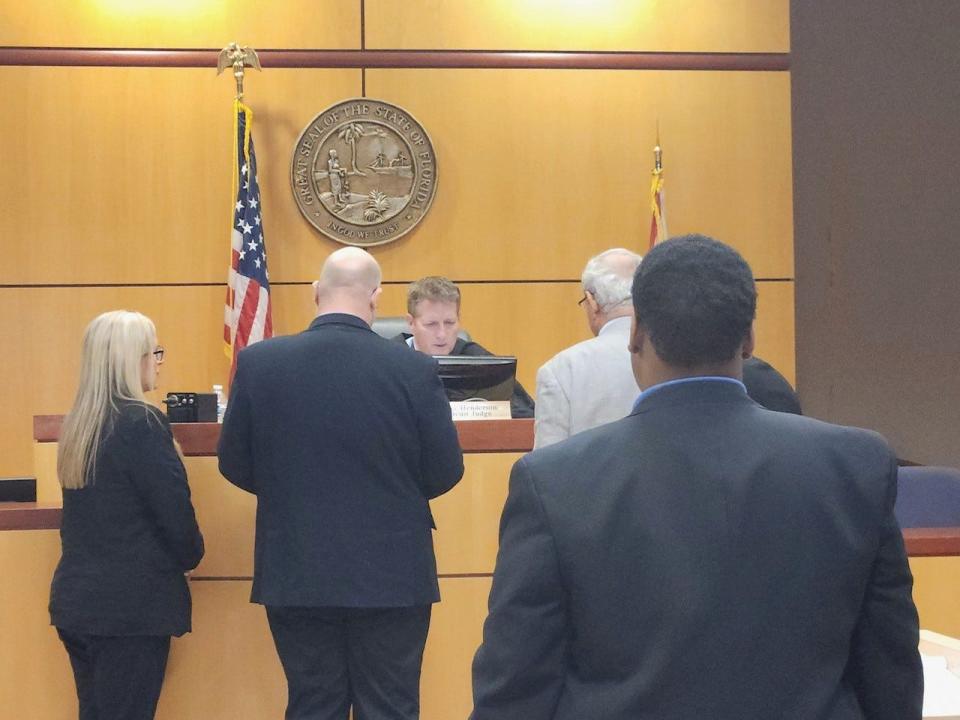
x=876 y=150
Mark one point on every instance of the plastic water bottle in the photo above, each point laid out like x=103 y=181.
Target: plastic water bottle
x=221 y=402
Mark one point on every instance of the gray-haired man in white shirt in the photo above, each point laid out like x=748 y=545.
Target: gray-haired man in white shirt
x=592 y=383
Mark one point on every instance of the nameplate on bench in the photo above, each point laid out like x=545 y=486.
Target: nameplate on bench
x=481 y=410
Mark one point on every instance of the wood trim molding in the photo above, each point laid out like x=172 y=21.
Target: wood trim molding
x=920 y=542
x=46 y=428
x=460 y=59
x=29 y=516
x=200 y=439
x=493 y=436
x=926 y=542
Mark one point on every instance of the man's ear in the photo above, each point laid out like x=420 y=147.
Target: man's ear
x=410 y=321
x=748 y=344
x=375 y=298
x=592 y=302
x=637 y=337
x=316 y=293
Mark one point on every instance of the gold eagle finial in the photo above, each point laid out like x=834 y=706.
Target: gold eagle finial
x=238 y=57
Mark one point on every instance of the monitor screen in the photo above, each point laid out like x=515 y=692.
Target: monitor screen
x=483 y=377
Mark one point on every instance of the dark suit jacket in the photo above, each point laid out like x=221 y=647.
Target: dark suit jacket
x=766 y=386
x=521 y=404
x=702 y=558
x=128 y=536
x=344 y=437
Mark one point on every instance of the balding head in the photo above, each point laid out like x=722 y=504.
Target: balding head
x=606 y=285
x=349 y=283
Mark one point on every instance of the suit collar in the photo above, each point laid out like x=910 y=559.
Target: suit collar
x=338 y=319
x=617 y=325
x=696 y=391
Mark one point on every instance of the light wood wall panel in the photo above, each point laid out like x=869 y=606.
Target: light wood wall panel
x=35 y=677
x=936 y=587
x=126 y=171
x=41 y=331
x=456 y=630
x=45 y=473
x=650 y=25
x=123 y=175
x=467 y=517
x=228 y=666
x=42 y=328
x=538 y=169
x=534 y=321
x=332 y=24
x=226 y=515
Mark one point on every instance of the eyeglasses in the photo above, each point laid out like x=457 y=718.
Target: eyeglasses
x=158 y=354
x=582 y=300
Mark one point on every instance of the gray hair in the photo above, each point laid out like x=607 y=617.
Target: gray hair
x=609 y=276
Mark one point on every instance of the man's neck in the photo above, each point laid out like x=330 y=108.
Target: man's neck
x=619 y=316
x=615 y=314
x=665 y=373
x=345 y=309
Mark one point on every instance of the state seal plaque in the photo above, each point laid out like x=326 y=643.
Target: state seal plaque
x=364 y=172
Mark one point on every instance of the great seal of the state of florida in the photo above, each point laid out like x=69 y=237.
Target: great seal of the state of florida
x=364 y=172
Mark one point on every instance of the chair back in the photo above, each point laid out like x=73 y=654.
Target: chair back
x=389 y=327
x=928 y=496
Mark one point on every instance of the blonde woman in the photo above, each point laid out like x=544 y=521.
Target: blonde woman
x=129 y=532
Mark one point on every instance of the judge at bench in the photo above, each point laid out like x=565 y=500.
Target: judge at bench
x=433 y=314
x=703 y=557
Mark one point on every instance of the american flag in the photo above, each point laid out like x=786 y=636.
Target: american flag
x=247 y=312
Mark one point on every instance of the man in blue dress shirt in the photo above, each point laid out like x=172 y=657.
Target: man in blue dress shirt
x=704 y=557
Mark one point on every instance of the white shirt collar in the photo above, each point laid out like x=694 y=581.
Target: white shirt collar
x=612 y=325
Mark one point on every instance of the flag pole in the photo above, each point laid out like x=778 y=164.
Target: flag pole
x=247 y=308
x=657 y=154
x=658 y=220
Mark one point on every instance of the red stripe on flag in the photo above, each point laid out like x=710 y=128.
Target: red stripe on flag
x=248 y=312
x=268 y=323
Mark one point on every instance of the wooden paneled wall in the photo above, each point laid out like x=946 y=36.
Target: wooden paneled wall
x=115 y=184
x=116 y=180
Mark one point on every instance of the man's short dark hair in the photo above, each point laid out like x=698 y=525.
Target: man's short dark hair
x=432 y=287
x=696 y=300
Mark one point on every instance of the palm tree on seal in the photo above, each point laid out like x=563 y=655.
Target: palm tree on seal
x=351 y=133
x=377 y=204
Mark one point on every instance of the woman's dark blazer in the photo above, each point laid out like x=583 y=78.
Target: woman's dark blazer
x=128 y=536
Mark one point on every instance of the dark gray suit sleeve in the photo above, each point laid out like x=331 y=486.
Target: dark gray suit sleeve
x=234 y=451
x=441 y=459
x=519 y=670
x=161 y=480
x=884 y=667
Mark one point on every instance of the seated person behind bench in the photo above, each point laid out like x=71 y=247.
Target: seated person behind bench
x=433 y=314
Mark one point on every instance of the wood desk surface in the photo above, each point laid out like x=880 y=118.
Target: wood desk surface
x=200 y=439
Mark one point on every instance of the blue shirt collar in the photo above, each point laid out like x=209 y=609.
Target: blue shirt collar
x=682 y=381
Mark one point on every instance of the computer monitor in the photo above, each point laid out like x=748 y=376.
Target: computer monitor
x=477 y=377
